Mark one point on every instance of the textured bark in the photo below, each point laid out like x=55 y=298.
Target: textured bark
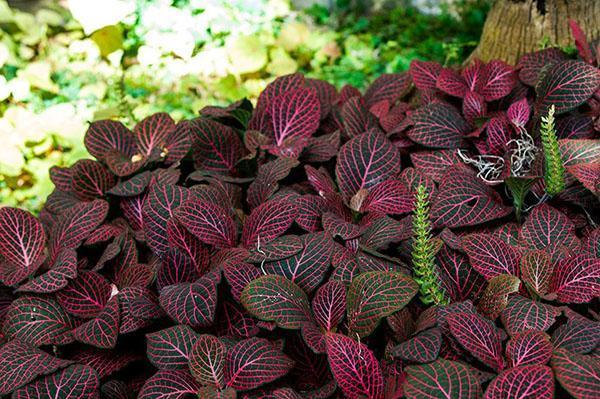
x=515 y=27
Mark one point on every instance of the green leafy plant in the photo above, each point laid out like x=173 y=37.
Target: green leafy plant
x=554 y=173
x=423 y=252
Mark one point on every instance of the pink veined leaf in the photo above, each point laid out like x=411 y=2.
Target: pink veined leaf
x=320 y=180
x=310 y=210
x=106 y=136
x=336 y=226
x=497 y=81
x=267 y=180
x=388 y=87
x=152 y=134
x=322 y=148
x=389 y=197
x=57 y=278
x=85 y=296
x=308 y=267
x=566 y=85
x=474 y=107
x=529 y=347
x=295 y=116
x=473 y=75
x=135 y=185
x=217 y=147
x=76 y=381
x=532 y=381
x=193 y=304
x=425 y=74
x=365 y=161
x=22 y=242
x=61 y=177
x=210 y=223
x=434 y=163
x=588 y=175
x=326 y=93
x=36 y=320
x=577 y=335
x=278 y=249
x=578 y=374
x=460 y=280
x=171 y=348
x=498 y=135
x=450 y=82
x=254 y=362
x=76 y=225
x=178 y=143
x=479 y=336
x=235 y=321
x=103 y=330
x=464 y=200
x=329 y=304
x=158 y=208
x=207 y=361
x=375 y=295
x=239 y=275
x=438 y=125
x=169 y=384
x=422 y=348
x=531 y=64
x=537 y=269
x=495 y=296
x=129 y=321
x=545 y=227
x=577 y=279
x=356 y=117
x=22 y=363
x=489 y=255
x=279 y=86
x=354 y=367
x=105 y=362
x=518 y=113
x=188 y=244
x=522 y=314
x=277 y=299
x=441 y=379
x=91 y=179
x=381 y=231
x=581 y=42
x=268 y=221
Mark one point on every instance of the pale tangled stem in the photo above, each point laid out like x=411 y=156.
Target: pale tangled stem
x=489 y=167
x=523 y=154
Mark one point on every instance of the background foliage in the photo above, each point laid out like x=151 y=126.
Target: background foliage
x=63 y=66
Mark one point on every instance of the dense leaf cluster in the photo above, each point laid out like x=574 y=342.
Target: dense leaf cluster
x=267 y=251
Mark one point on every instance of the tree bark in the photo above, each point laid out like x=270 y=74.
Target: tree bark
x=516 y=27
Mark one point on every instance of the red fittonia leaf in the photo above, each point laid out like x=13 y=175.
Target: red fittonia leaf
x=577 y=279
x=329 y=304
x=159 y=206
x=254 y=362
x=91 y=179
x=441 y=379
x=57 y=278
x=474 y=107
x=479 y=336
x=267 y=179
x=356 y=118
x=434 y=163
x=36 y=320
x=153 y=133
x=546 y=227
x=389 y=197
x=464 y=200
x=268 y=221
x=495 y=296
x=566 y=85
x=22 y=241
x=295 y=116
x=193 y=304
x=518 y=113
x=460 y=280
x=169 y=384
x=217 y=147
x=522 y=314
x=375 y=295
x=439 y=126
x=308 y=267
x=422 y=348
x=531 y=381
x=210 y=223
x=22 y=363
x=577 y=336
x=103 y=330
x=531 y=64
x=578 y=374
x=354 y=367
x=171 y=348
x=75 y=381
x=489 y=255
x=424 y=74
x=498 y=80
x=207 y=361
x=529 y=347
x=278 y=249
x=365 y=161
x=86 y=295
x=275 y=298
x=106 y=136
x=388 y=87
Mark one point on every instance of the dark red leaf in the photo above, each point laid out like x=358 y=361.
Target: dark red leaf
x=217 y=147
x=329 y=304
x=490 y=256
x=425 y=74
x=207 y=361
x=75 y=381
x=85 y=296
x=439 y=126
x=522 y=382
x=91 y=179
x=171 y=348
x=193 y=304
x=529 y=347
x=531 y=64
x=578 y=374
x=522 y=314
x=577 y=279
x=577 y=335
x=169 y=384
x=103 y=330
x=268 y=221
x=440 y=380
x=422 y=348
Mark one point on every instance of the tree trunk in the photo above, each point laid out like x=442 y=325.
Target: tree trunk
x=516 y=27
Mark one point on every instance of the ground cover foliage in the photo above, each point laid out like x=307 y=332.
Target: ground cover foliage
x=433 y=237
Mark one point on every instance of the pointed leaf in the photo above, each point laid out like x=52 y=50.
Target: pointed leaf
x=577 y=336
x=91 y=179
x=268 y=221
x=441 y=379
x=529 y=347
x=171 y=348
x=75 y=381
x=489 y=255
x=522 y=382
x=207 y=361
x=103 y=330
x=578 y=374
x=390 y=197
x=545 y=227
x=329 y=304
x=295 y=116
x=422 y=348
x=577 y=279
x=439 y=126
x=537 y=269
x=424 y=74
x=460 y=280
x=85 y=296
x=209 y=222
x=522 y=314
x=498 y=80
x=169 y=384
x=216 y=147
x=193 y=304
x=57 y=278
x=434 y=163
